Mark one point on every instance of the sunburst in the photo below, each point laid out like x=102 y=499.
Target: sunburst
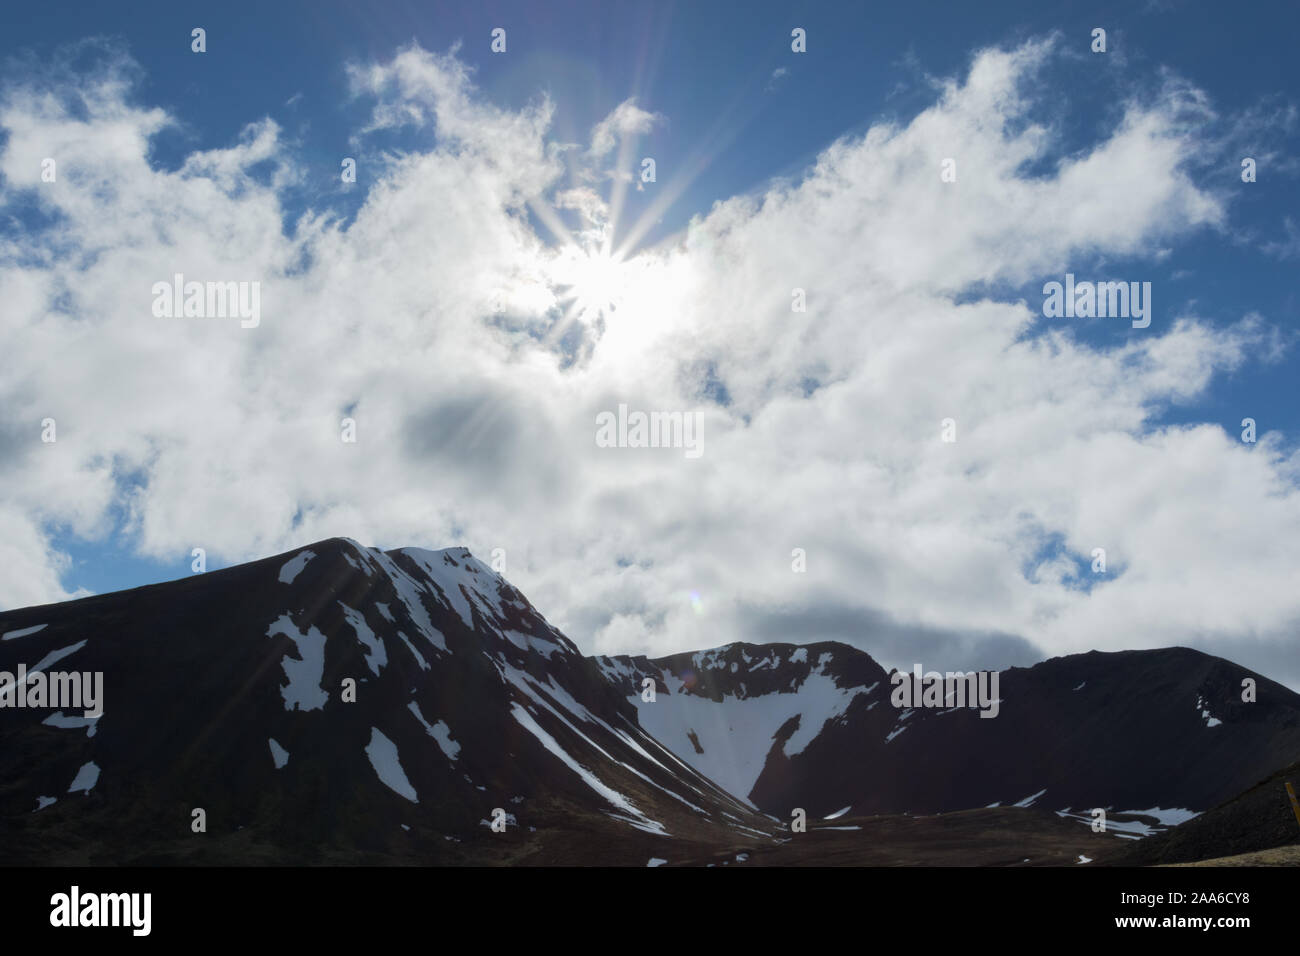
x=594 y=281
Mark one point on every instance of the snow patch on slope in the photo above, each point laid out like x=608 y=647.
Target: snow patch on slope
x=22 y=632
x=303 y=692
x=455 y=572
x=408 y=592
x=616 y=799
x=539 y=693
x=1204 y=709
x=85 y=779
x=59 y=719
x=383 y=758
x=1029 y=800
x=376 y=655
x=736 y=734
x=419 y=658
x=440 y=732
x=278 y=753
x=293 y=567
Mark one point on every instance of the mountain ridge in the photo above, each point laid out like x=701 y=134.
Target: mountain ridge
x=225 y=693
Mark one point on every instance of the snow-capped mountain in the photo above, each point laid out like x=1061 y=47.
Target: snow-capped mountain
x=342 y=704
x=1162 y=731
x=732 y=710
x=230 y=693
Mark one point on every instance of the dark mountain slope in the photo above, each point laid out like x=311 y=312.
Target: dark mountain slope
x=814 y=727
x=466 y=701
x=225 y=692
x=1258 y=819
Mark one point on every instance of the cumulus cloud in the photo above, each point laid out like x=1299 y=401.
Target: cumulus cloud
x=627 y=120
x=443 y=322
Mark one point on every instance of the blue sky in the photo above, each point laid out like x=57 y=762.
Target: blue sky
x=735 y=114
x=703 y=64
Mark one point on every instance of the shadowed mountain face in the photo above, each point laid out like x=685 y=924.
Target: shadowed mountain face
x=814 y=727
x=339 y=704
x=1259 y=819
x=226 y=692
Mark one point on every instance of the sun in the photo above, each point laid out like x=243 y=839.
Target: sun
x=622 y=301
x=595 y=282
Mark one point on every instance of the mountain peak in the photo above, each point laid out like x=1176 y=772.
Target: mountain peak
x=410 y=697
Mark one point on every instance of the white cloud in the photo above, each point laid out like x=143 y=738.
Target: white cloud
x=475 y=422
x=627 y=120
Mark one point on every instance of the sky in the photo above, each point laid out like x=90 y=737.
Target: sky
x=503 y=272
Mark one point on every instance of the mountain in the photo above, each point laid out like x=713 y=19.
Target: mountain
x=733 y=711
x=813 y=727
x=225 y=692
x=1259 y=819
x=342 y=704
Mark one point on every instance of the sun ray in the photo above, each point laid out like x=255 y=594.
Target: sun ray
x=738 y=115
